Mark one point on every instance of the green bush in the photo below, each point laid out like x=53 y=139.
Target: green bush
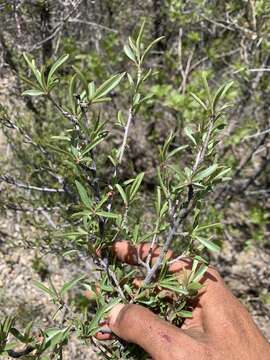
x=101 y=197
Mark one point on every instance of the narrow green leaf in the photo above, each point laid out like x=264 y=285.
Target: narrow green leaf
x=122 y=193
x=129 y=53
x=140 y=35
x=107 y=214
x=70 y=252
x=199 y=274
x=108 y=85
x=205 y=173
x=82 y=78
x=91 y=146
x=185 y=314
x=221 y=92
x=29 y=82
x=208 y=244
x=67 y=286
x=33 y=92
x=32 y=65
x=91 y=89
x=94 y=325
x=199 y=101
x=135 y=185
x=131 y=81
x=83 y=194
x=222 y=174
x=161 y=182
x=208 y=226
x=177 y=150
x=206 y=86
x=101 y=100
x=71 y=92
x=188 y=132
x=150 y=47
x=45 y=289
x=55 y=66
x=54 y=337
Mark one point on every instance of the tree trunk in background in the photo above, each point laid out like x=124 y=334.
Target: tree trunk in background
x=45 y=29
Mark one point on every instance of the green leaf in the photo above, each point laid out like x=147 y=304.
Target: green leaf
x=32 y=65
x=222 y=174
x=45 y=289
x=173 y=286
x=177 y=150
x=161 y=182
x=18 y=335
x=134 y=47
x=33 y=92
x=199 y=274
x=150 y=47
x=83 y=194
x=122 y=193
x=55 y=66
x=94 y=325
x=70 y=252
x=206 y=86
x=135 y=185
x=67 y=286
x=91 y=89
x=71 y=92
x=208 y=244
x=107 y=214
x=129 y=53
x=221 y=92
x=131 y=81
x=185 y=314
x=108 y=85
x=205 y=173
x=82 y=78
x=140 y=35
x=54 y=337
x=101 y=100
x=208 y=226
x=92 y=146
x=199 y=101
x=29 y=82
x=188 y=132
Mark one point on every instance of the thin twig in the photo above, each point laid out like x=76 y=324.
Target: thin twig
x=127 y=127
x=12 y=181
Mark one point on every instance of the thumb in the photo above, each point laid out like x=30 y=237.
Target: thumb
x=138 y=325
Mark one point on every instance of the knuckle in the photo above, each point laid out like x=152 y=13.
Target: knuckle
x=214 y=272
x=127 y=314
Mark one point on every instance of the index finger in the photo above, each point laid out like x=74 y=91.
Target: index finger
x=128 y=253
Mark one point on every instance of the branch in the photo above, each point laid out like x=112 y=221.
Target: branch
x=67 y=115
x=57 y=28
x=93 y=24
x=12 y=181
x=179 y=218
x=127 y=127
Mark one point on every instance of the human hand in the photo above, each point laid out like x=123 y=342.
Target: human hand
x=221 y=328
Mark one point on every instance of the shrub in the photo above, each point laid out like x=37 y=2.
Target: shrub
x=98 y=213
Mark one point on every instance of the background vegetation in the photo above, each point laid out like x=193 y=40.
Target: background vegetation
x=228 y=41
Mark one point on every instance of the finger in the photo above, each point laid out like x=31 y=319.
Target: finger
x=129 y=253
x=138 y=325
x=105 y=333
